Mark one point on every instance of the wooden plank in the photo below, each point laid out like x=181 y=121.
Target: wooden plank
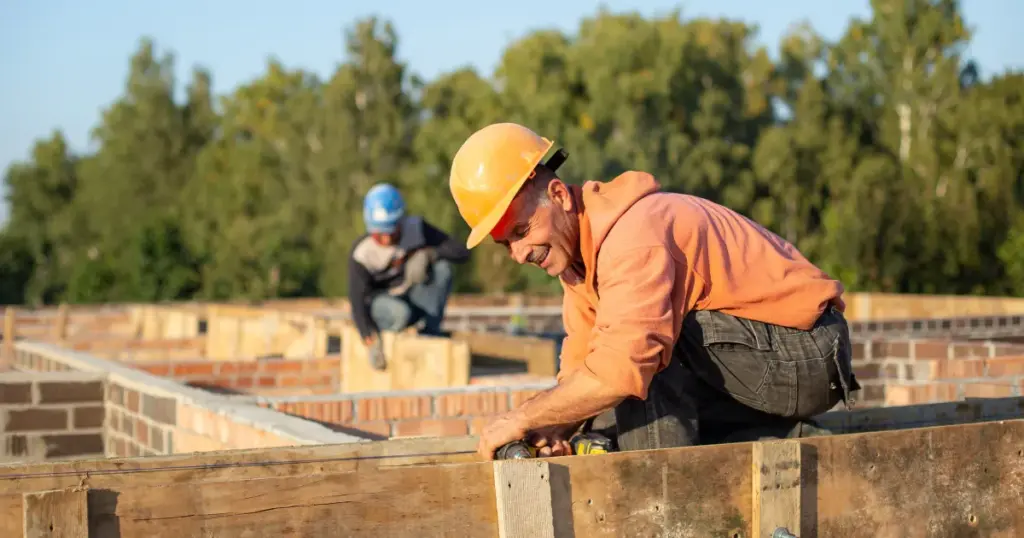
x=10 y=317
x=356 y=373
x=522 y=489
x=952 y=481
x=451 y=501
x=775 y=477
x=56 y=514
x=537 y=353
x=60 y=326
x=112 y=473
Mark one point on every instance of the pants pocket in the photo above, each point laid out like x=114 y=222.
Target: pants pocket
x=800 y=388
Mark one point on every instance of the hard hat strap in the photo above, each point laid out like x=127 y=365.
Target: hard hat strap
x=556 y=159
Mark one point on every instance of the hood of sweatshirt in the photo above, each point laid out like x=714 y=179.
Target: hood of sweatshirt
x=601 y=203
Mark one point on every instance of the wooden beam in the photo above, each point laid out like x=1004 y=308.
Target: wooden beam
x=776 y=480
x=56 y=514
x=537 y=353
x=60 y=325
x=950 y=480
x=9 y=336
x=522 y=489
x=112 y=473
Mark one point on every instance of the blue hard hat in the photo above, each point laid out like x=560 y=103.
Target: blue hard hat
x=383 y=207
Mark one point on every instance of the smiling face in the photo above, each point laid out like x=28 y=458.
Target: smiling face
x=540 y=226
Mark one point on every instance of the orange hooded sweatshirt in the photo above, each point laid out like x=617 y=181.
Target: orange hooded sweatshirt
x=651 y=257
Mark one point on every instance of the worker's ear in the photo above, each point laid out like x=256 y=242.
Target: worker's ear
x=558 y=193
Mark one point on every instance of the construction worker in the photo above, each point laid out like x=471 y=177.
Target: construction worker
x=686 y=321
x=400 y=272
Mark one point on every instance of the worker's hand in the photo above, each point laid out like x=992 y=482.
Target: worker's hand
x=375 y=350
x=417 y=267
x=502 y=430
x=553 y=440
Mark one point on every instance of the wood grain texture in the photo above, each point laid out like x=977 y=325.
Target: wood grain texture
x=963 y=480
x=451 y=501
x=775 y=477
x=522 y=489
x=56 y=514
x=112 y=473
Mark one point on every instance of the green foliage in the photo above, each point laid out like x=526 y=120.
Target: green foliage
x=883 y=156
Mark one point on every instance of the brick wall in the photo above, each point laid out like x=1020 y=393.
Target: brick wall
x=149 y=415
x=50 y=415
x=904 y=372
x=139 y=424
x=457 y=411
x=261 y=376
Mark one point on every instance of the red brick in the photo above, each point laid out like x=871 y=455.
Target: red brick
x=58 y=446
x=88 y=417
x=987 y=390
x=969 y=351
x=918 y=394
x=471 y=404
x=16 y=393
x=931 y=350
x=859 y=350
x=394 y=408
x=871 y=393
x=431 y=427
x=131 y=400
x=316 y=380
x=238 y=367
x=244 y=381
x=289 y=381
x=891 y=371
x=193 y=368
x=890 y=350
x=867 y=371
x=323 y=365
x=958 y=368
x=70 y=391
x=161 y=370
x=282 y=366
x=141 y=431
x=339 y=412
x=1006 y=367
x=156 y=438
x=26 y=420
x=266 y=381
x=477 y=424
x=520 y=396
x=377 y=427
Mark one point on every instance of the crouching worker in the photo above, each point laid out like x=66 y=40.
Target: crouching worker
x=400 y=272
x=691 y=323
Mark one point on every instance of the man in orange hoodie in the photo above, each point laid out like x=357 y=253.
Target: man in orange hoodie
x=688 y=319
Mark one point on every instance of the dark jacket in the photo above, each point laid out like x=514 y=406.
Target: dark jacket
x=373 y=268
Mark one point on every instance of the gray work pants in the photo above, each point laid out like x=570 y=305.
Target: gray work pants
x=734 y=379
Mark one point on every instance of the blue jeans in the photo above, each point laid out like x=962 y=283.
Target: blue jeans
x=425 y=301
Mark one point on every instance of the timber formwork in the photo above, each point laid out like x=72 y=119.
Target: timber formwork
x=939 y=470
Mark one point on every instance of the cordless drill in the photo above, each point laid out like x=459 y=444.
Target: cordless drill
x=581 y=444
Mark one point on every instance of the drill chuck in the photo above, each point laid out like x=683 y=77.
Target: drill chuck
x=516 y=450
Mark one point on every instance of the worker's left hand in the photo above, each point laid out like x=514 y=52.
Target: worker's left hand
x=502 y=430
x=417 y=266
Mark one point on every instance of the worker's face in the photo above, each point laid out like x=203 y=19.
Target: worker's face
x=540 y=228
x=385 y=239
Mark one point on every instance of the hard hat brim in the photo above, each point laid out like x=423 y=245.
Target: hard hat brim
x=487 y=224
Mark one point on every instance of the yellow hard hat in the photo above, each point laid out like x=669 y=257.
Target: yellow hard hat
x=488 y=171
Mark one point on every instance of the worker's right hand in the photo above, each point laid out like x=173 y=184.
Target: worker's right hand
x=553 y=440
x=375 y=350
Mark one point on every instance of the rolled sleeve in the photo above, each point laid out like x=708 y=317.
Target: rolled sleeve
x=633 y=333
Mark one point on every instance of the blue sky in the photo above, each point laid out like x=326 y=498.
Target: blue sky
x=63 y=60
